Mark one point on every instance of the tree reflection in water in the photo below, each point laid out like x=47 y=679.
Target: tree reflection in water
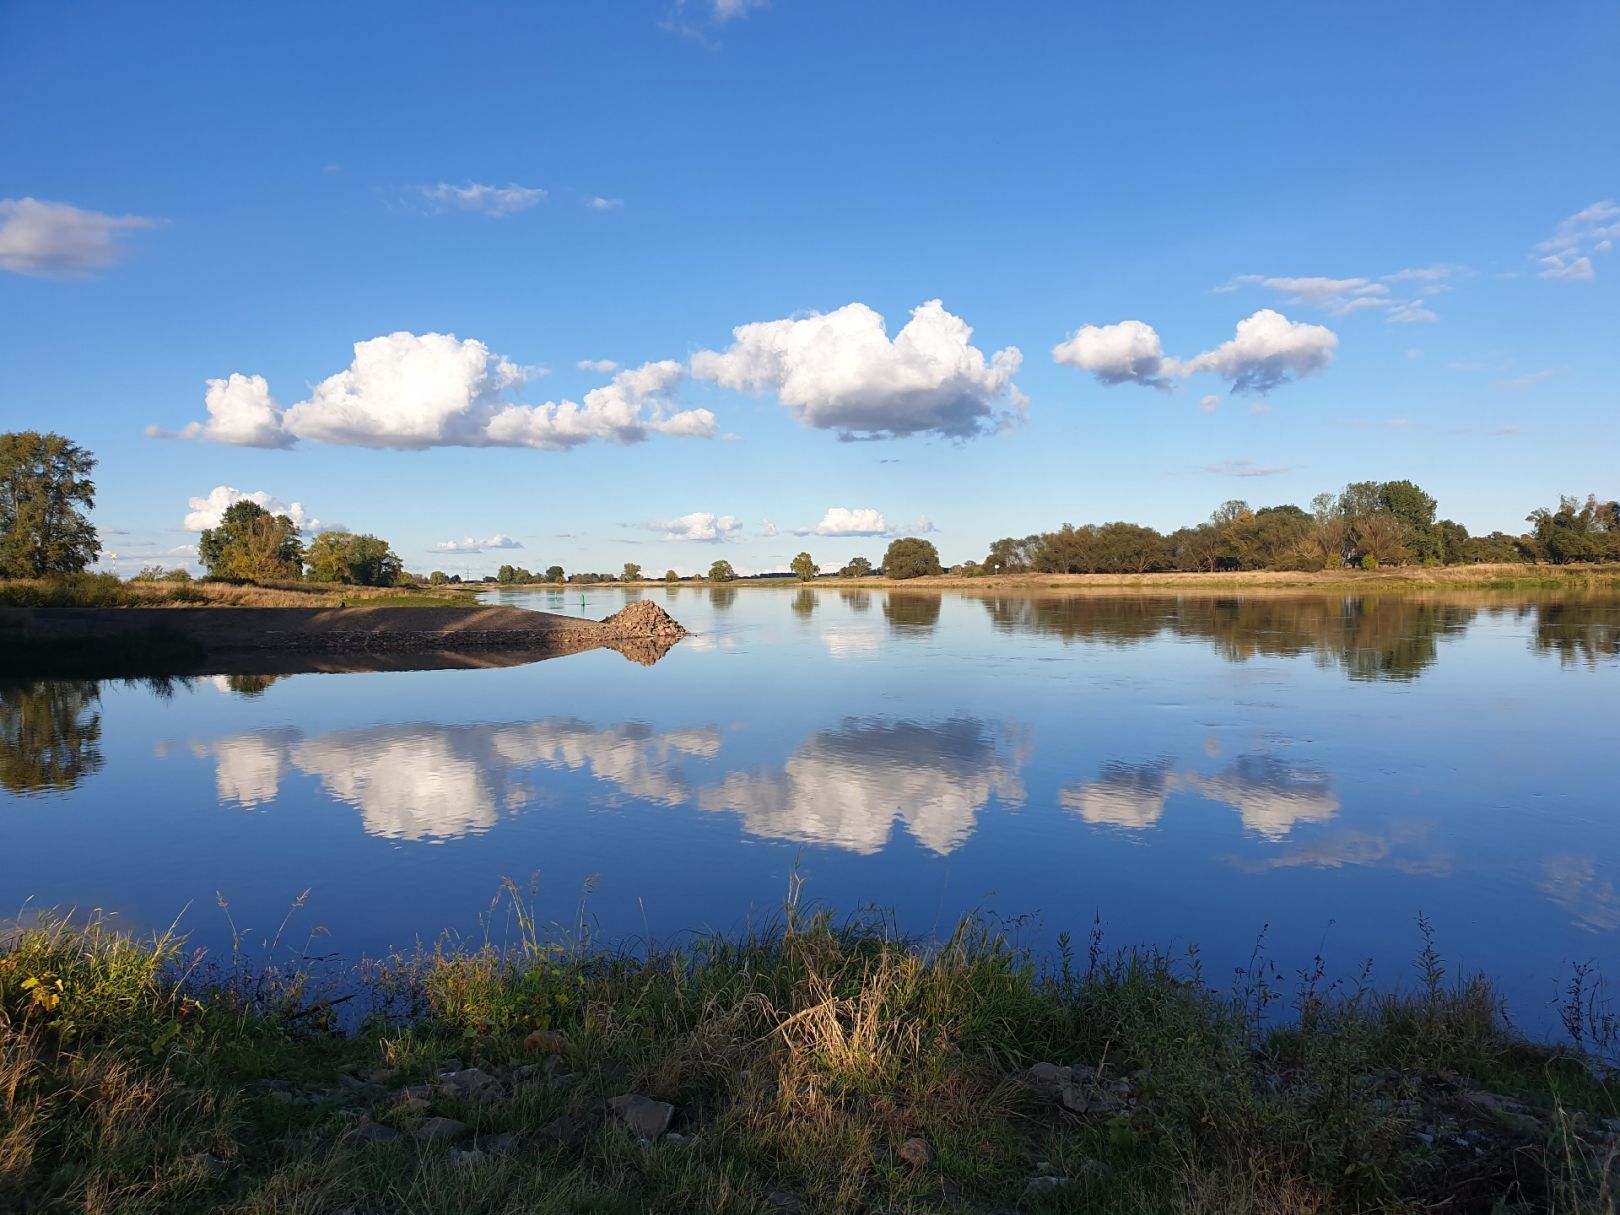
x=1368 y=637
x=1580 y=632
x=911 y=613
x=50 y=734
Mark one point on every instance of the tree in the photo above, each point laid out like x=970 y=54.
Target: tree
x=911 y=557
x=1414 y=510
x=356 y=560
x=632 y=572
x=721 y=571
x=45 y=488
x=804 y=565
x=671 y=576
x=252 y=544
x=554 y=573
x=438 y=578
x=858 y=567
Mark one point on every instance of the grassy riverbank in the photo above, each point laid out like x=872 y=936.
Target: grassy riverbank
x=107 y=590
x=817 y=1067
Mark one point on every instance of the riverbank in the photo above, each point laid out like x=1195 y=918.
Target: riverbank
x=1513 y=576
x=45 y=640
x=814 y=1067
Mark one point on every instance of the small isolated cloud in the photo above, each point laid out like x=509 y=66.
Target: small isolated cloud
x=700 y=527
x=730 y=10
x=596 y=203
x=181 y=550
x=1125 y=353
x=924 y=526
x=840 y=371
x=413 y=391
x=1209 y=404
x=1247 y=468
x=1567 y=254
x=841 y=521
x=58 y=240
x=1518 y=383
x=1269 y=350
x=767 y=529
x=470 y=545
x=207 y=511
x=497 y=202
x=241 y=412
x=600 y=366
x=1508 y=432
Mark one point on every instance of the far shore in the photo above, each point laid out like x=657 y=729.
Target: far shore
x=1506 y=576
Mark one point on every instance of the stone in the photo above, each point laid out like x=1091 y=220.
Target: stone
x=781 y=1200
x=470 y=1083
x=914 y=1151
x=561 y=1131
x=468 y=1156
x=204 y=1162
x=498 y=1144
x=674 y=1139
x=1040 y=1186
x=372 y=1132
x=436 y=1130
x=450 y=1065
x=1049 y=1075
x=381 y=1075
x=648 y=1119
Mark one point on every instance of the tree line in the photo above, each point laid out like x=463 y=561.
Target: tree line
x=1368 y=524
x=47 y=490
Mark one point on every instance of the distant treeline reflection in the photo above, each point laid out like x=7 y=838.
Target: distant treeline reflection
x=1368 y=637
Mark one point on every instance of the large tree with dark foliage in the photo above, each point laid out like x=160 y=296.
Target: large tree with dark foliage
x=45 y=489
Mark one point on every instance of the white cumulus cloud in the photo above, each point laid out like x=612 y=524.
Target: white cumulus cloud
x=1268 y=350
x=416 y=391
x=241 y=412
x=700 y=526
x=472 y=545
x=1127 y=352
x=494 y=201
x=840 y=371
x=1567 y=254
x=207 y=511
x=600 y=366
x=58 y=240
x=842 y=521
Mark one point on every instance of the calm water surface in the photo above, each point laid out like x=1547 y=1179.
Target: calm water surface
x=1191 y=770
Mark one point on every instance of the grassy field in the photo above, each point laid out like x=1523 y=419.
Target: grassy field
x=107 y=590
x=815 y=1067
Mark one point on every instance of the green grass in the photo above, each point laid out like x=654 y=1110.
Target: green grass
x=800 y=1061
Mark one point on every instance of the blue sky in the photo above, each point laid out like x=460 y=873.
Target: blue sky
x=1365 y=242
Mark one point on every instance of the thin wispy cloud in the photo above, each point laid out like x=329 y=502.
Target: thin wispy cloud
x=58 y=240
x=1247 y=468
x=1349 y=296
x=471 y=545
x=1567 y=254
x=497 y=202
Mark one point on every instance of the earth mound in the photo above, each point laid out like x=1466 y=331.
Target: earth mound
x=644 y=619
